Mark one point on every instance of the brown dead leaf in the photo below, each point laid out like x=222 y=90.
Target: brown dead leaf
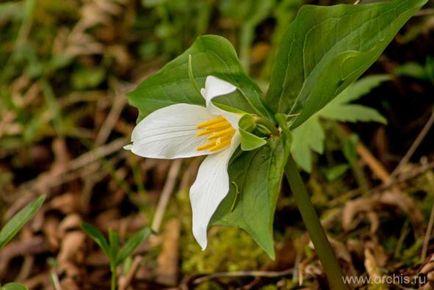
x=72 y=243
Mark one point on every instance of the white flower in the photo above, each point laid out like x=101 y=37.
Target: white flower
x=185 y=130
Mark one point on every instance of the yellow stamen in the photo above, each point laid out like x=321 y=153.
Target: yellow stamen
x=206 y=146
x=219 y=132
x=220 y=146
x=205 y=124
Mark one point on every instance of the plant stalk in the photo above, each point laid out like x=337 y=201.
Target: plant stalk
x=113 y=278
x=316 y=232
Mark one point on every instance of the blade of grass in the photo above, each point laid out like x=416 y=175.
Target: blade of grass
x=14 y=225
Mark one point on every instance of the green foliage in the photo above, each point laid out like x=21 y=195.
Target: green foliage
x=116 y=254
x=418 y=71
x=250 y=141
x=13 y=286
x=256 y=177
x=14 y=225
x=111 y=247
x=310 y=69
x=210 y=55
x=249 y=14
x=310 y=135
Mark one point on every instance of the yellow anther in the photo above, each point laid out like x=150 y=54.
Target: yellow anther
x=220 y=125
x=220 y=146
x=219 y=132
x=205 y=124
x=228 y=131
x=206 y=146
x=202 y=133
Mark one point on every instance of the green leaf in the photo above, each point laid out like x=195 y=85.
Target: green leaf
x=113 y=244
x=13 y=286
x=310 y=136
x=14 y=225
x=326 y=48
x=131 y=244
x=210 y=55
x=334 y=172
x=360 y=88
x=251 y=201
x=250 y=141
x=97 y=237
x=352 y=113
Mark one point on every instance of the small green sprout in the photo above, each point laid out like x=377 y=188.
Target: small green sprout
x=116 y=254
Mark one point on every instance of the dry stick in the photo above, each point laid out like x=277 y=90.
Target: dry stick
x=400 y=179
x=165 y=194
x=375 y=165
x=431 y=219
x=124 y=282
x=270 y=274
x=414 y=146
x=82 y=161
x=112 y=118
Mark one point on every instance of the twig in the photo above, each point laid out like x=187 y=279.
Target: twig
x=80 y=162
x=125 y=281
x=112 y=118
x=414 y=146
x=429 y=228
x=55 y=280
x=397 y=180
x=375 y=165
x=165 y=194
x=267 y=274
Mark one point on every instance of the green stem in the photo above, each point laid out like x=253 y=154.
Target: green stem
x=113 y=280
x=316 y=232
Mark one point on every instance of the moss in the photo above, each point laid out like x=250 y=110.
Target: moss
x=229 y=249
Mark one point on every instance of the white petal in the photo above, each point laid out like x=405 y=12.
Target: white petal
x=209 y=189
x=215 y=87
x=170 y=132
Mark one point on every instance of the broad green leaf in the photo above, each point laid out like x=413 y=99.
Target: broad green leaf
x=14 y=225
x=13 y=286
x=210 y=55
x=310 y=135
x=97 y=236
x=250 y=141
x=251 y=201
x=326 y=48
x=131 y=244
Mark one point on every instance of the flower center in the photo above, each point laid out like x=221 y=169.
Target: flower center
x=219 y=132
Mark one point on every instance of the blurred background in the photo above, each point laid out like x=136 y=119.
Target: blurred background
x=66 y=67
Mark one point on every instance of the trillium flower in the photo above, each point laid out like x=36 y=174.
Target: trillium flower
x=185 y=130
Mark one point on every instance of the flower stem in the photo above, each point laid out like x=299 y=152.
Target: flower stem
x=316 y=232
